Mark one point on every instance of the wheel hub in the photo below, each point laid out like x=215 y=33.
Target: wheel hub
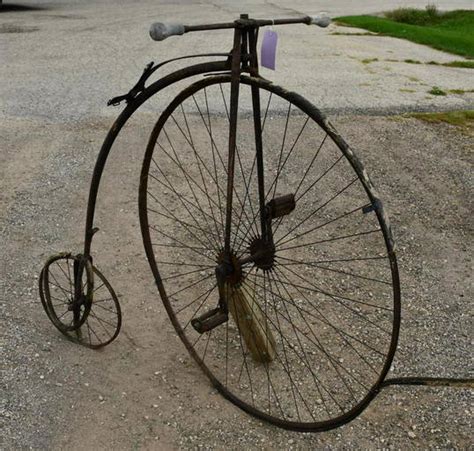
x=230 y=268
x=263 y=253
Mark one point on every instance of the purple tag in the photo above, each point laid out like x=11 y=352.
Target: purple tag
x=268 y=51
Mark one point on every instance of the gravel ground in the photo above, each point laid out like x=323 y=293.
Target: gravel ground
x=62 y=61
x=143 y=391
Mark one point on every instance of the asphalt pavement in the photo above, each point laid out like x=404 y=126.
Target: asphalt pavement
x=62 y=60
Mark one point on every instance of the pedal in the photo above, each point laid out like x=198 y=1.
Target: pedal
x=209 y=320
x=281 y=206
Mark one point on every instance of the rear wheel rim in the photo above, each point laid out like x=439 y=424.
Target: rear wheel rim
x=98 y=320
x=67 y=305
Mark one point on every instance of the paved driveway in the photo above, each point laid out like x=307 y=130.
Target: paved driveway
x=61 y=61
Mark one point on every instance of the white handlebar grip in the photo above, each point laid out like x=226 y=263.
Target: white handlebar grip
x=321 y=20
x=160 y=31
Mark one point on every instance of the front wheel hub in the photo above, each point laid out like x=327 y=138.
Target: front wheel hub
x=263 y=253
x=229 y=268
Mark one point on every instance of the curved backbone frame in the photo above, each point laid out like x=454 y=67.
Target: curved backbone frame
x=124 y=116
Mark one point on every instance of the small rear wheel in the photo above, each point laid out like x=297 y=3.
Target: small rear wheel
x=66 y=286
x=80 y=301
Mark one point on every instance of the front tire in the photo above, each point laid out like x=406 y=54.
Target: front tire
x=331 y=297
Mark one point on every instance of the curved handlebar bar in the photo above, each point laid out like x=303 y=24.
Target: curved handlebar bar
x=160 y=31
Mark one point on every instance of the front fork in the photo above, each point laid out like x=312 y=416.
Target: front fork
x=262 y=250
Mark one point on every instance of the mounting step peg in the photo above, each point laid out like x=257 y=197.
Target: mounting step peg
x=210 y=320
x=281 y=206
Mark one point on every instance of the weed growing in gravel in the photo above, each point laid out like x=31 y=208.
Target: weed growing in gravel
x=463 y=64
x=460 y=91
x=368 y=60
x=435 y=91
x=459 y=118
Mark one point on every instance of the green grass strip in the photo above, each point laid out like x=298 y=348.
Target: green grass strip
x=452 y=33
x=458 y=118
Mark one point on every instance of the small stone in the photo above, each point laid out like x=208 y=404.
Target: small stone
x=101 y=398
x=411 y=434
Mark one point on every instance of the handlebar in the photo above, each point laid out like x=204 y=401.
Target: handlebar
x=159 y=31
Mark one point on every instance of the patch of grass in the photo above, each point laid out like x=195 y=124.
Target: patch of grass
x=463 y=119
x=414 y=79
x=450 y=31
x=464 y=64
x=460 y=91
x=369 y=60
x=407 y=90
x=435 y=91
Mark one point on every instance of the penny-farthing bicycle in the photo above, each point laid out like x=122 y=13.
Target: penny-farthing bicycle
x=270 y=247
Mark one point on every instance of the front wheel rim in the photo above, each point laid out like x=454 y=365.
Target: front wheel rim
x=162 y=276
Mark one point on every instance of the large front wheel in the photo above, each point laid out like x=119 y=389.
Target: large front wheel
x=303 y=328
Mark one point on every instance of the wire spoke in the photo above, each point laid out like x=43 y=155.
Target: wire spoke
x=190 y=285
x=343 y=334
x=333 y=361
x=338 y=298
x=303 y=359
x=343 y=237
x=316 y=210
x=206 y=293
x=202 y=254
x=320 y=226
